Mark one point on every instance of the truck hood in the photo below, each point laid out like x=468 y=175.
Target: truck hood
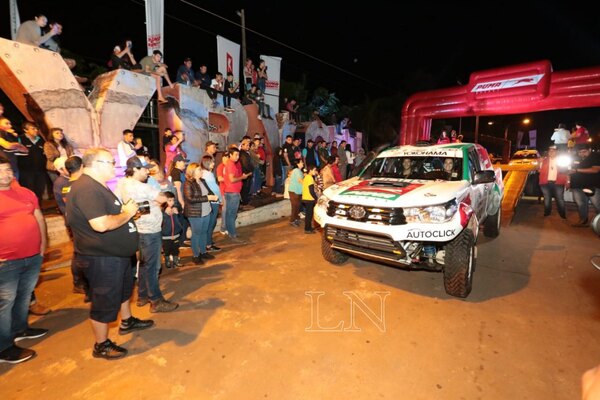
x=391 y=192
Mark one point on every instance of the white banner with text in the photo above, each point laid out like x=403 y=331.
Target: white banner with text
x=155 y=15
x=228 y=58
x=273 y=82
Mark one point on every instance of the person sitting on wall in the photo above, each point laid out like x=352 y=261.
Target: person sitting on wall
x=122 y=57
x=29 y=32
x=154 y=66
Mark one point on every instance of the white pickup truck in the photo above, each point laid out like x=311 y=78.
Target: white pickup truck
x=417 y=207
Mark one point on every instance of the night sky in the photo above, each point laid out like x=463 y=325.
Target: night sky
x=392 y=47
x=385 y=43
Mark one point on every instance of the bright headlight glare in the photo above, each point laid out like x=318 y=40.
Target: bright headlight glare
x=563 y=161
x=431 y=214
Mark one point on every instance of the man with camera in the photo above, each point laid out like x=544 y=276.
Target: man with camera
x=104 y=238
x=148 y=220
x=584 y=182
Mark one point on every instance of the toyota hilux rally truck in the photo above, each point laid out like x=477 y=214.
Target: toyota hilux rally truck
x=417 y=207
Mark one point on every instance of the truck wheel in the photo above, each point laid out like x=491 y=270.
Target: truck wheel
x=459 y=264
x=491 y=226
x=331 y=255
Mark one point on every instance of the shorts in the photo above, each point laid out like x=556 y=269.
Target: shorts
x=110 y=284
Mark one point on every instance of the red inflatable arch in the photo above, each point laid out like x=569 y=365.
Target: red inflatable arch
x=514 y=89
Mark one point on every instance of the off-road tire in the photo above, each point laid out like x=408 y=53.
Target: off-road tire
x=459 y=264
x=331 y=255
x=491 y=226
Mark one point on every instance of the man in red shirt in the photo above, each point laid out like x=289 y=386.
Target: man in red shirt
x=21 y=251
x=233 y=177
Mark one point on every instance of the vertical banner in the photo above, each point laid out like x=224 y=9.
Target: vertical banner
x=155 y=15
x=519 y=139
x=15 y=20
x=228 y=58
x=533 y=139
x=274 y=74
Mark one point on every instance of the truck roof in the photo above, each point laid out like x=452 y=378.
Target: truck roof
x=455 y=150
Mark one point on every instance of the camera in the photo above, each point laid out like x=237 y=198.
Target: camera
x=143 y=207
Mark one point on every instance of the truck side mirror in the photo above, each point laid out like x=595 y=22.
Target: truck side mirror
x=484 y=177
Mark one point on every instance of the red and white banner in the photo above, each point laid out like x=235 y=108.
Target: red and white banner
x=155 y=15
x=15 y=20
x=228 y=58
x=273 y=82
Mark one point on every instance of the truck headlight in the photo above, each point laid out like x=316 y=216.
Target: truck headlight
x=432 y=214
x=323 y=201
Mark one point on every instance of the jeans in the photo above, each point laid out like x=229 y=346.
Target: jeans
x=223 y=210
x=17 y=280
x=212 y=222
x=557 y=191
x=233 y=202
x=278 y=186
x=308 y=218
x=149 y=267
x=582 y=202
x=199 y=234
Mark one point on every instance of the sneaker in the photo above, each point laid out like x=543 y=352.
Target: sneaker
x=207 y=256
x=31 y=333
x=224 y=233
x=38 y=309
x=141 y=302
x=301 y=215
x=162 y=305
x=213 y=248
x=134 y=324
x=78 y=290
x=580 y=224
x=310 y=232
x=197 y=260
x=108 y=350
x=259 y=117
x=15 y=354
x=237 y=240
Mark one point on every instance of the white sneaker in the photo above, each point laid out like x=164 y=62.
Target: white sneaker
x=224 y=233
x=259 y=117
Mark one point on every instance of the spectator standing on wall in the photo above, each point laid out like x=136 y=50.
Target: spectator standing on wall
x=560 y=137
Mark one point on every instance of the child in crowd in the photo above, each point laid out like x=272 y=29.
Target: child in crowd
x=172 y=230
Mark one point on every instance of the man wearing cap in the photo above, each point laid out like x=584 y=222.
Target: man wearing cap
x=105 y=238
x=149 y=225
x=560 y=137
x=584 y=182
x=552 y=183
x=185 y=73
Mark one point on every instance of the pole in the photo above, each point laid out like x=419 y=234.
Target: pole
x=244 y=57
x=476 y=128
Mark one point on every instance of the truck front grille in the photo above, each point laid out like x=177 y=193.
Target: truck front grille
x=367 y=214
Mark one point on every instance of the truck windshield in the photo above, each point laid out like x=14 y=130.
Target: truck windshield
x=424 y=168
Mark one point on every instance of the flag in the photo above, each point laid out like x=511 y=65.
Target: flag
x=273 y=82
x=155 y=13
x=228 y=58
x=15 y=20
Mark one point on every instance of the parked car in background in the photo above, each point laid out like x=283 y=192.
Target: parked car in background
x=526 y=157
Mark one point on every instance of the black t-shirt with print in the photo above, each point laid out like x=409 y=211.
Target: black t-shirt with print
x=288 y=149
x=87 y=200
x=580 y=180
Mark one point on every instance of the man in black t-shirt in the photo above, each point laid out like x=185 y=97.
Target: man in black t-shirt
x=104 y=238
x=584 y=182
